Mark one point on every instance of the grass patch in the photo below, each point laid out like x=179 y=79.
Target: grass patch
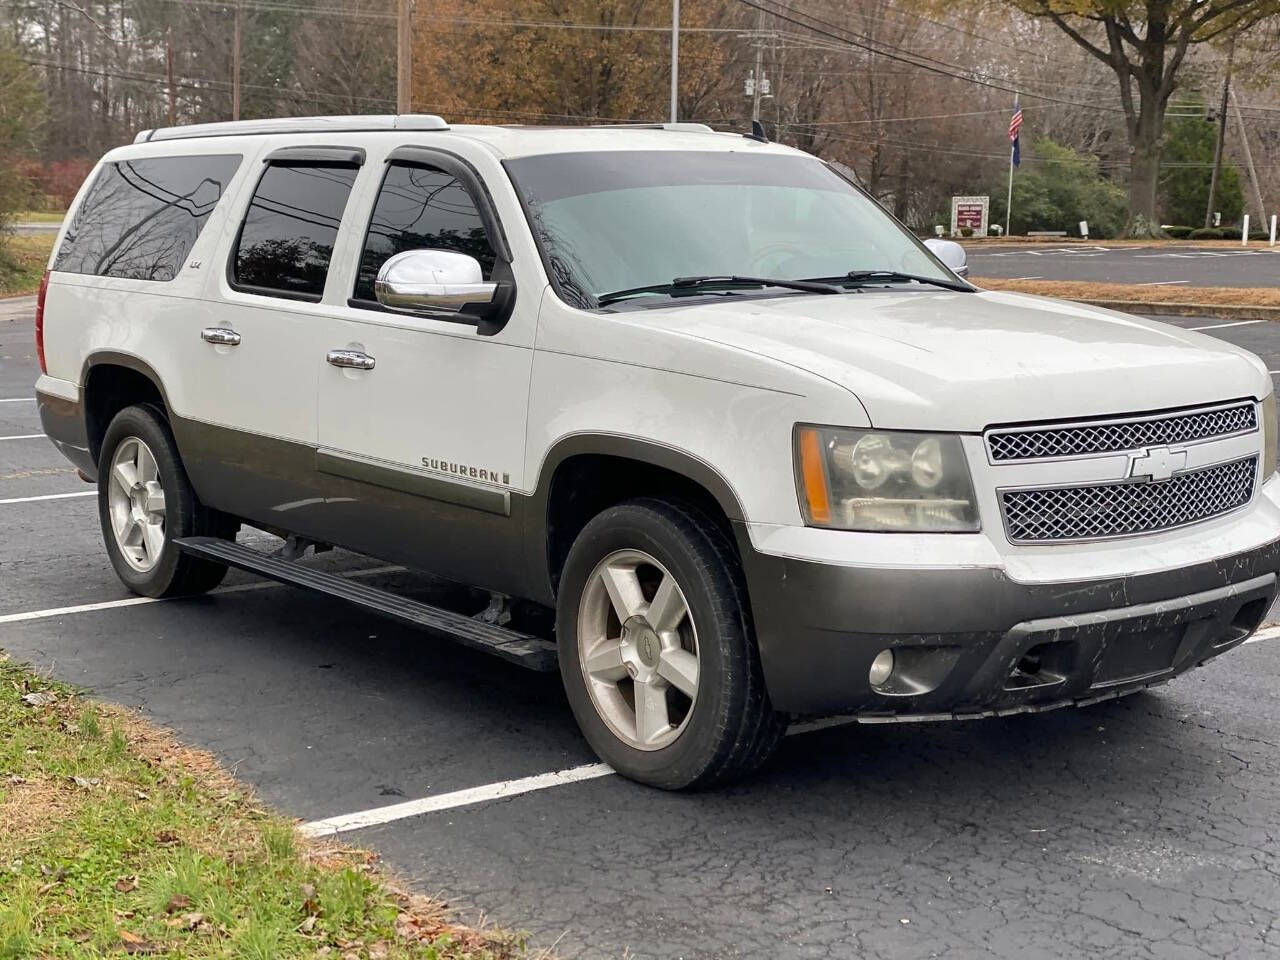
x=116 y=839
x=1179 y=293
x=22 y=263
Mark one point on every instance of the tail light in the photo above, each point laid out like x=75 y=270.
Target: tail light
x=44 y=288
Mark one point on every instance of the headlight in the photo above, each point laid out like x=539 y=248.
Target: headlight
x=1268 y=435
x=880 y=481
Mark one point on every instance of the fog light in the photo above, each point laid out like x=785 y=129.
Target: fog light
x=881 y=668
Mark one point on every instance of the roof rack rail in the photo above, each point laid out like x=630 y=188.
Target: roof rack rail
x=680 y=126
x=349 y=124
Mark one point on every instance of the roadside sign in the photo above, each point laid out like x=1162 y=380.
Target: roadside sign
x=970 y=212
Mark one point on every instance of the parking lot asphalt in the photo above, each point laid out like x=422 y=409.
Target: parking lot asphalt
x=1254 y=266
x=1141 y=828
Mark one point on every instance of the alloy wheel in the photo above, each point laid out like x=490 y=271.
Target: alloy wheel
x=135 y=497
x=639 y=649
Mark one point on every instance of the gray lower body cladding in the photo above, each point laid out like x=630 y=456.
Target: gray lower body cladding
x=64 y=424
x=973 y=642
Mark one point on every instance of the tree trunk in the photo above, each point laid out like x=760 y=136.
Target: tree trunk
x=1144 y=172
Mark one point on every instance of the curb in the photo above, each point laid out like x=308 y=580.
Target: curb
x=1215 y=311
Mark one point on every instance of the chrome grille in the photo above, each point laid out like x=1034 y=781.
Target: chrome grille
x=1128 y=507
x=1118 y=435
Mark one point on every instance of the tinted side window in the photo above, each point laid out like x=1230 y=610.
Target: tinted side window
x=141 y=217
x=420 y=208
x=288 y=232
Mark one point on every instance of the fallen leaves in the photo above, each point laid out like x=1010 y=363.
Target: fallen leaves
x=138 y=946
x=127 y=884
x=39 y=699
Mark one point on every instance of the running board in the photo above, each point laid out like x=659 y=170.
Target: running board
x=528 y=651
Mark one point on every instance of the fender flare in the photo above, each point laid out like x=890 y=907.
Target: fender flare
x=622 y=447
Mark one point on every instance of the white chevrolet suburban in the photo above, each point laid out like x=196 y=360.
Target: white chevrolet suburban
x=763 y=453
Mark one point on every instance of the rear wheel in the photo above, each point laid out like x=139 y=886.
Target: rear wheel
x=145 y=502
x=656 y=649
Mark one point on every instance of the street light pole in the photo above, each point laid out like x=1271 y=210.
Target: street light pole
x=1222 y=136
x=675 y=58
x=404 y=57
x=758 y=86
x=235 y=65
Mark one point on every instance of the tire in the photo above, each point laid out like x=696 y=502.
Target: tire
x=719 y=726
x=139 y=440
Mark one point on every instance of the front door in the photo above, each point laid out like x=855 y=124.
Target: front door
x=422 y=426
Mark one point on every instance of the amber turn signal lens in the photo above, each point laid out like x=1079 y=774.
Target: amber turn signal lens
x=813 y=474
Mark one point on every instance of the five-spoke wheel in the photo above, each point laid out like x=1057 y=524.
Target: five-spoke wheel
x=639 y=649
x=135 y=495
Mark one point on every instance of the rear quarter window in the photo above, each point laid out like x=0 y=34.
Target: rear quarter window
x=141 y=218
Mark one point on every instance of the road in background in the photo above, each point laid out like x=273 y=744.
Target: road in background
x=1142 y=828
x=25 y=229
x=1181 y=266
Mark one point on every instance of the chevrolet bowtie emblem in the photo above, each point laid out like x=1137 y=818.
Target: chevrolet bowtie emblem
x=1158 y=463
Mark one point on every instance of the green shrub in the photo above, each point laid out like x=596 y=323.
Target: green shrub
x=1058 y=188
x=1206 y=233
x=966 y=231
x=1179 y=233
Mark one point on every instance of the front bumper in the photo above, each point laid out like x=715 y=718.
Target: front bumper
x=972 y=641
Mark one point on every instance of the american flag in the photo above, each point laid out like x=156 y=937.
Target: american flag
x=1015 y=125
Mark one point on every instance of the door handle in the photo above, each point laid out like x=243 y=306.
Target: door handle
x=223 y=336
x=351 y=359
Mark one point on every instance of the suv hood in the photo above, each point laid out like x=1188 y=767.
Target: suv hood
x=963 y=361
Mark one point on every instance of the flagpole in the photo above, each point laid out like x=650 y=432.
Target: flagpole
x=1008 y=205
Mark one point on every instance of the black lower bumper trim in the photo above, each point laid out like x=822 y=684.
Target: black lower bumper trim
x=981 y=644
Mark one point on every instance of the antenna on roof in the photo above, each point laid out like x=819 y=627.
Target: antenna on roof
x=757 y=132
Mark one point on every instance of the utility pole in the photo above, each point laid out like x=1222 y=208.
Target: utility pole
x=404 y=57
x=675 y=60
x=235 y=65
x=168 y=66
x=1222 y=136
x=1248 y=160
x=758 y=85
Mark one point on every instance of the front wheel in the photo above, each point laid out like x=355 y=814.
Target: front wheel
x=145 y=502
x=656 y=651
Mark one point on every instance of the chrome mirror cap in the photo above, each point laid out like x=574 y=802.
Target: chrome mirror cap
x=951 y=254
x=432 y=280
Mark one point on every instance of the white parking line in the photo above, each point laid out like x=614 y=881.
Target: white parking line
x=17 y=399
x=458 y=798
x=51 y=496
x=376 y=816
x=139 y=601
x=1267 y=633
x=1162 y=283
x=1235 y=323
x=25 y=436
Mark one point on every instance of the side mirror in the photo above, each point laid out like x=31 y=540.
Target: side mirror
x=435 y=281
x=951 y=254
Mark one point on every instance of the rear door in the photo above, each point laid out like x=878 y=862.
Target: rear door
x=255 y=350
x=426 y=447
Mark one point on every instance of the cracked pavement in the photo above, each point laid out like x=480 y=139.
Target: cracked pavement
x=1143 y=828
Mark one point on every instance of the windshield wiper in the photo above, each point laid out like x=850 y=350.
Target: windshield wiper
x=692 y=284
x=896 y=276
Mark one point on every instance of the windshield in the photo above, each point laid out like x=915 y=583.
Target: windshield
x=618 y=220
